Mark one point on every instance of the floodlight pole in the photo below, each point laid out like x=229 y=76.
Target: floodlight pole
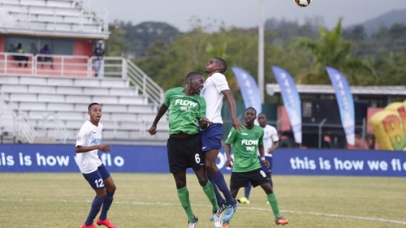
x=261 y=51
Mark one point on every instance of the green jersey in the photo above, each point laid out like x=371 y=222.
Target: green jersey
x=245 y=145
x=184 y=111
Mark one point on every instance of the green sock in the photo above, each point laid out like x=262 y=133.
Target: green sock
x=209 y=191
x=183 y=195
x=274 y=204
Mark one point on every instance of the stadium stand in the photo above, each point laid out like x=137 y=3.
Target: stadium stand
x=64 y=16
x=43 y=104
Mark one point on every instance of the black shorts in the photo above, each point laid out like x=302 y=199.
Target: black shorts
x=256 y=177
x=185 y=153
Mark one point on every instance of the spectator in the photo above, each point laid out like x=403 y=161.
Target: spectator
x=45 y=51
x=97 y=62
x=20 y=58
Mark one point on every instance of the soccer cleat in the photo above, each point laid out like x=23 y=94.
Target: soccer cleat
x=225 y=225
x=91 y=226
x=281 y=221
x=243 y=200
x=216 y=218
x=105 y=223
x=193 y=224
x=222 y=208
x=230 y=210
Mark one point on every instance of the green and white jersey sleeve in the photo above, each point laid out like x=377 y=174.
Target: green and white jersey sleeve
x=245 y=145
x=184 y=111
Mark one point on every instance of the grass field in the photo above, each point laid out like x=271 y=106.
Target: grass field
x=150 y=201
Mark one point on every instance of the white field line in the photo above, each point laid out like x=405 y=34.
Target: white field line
x=200 y=205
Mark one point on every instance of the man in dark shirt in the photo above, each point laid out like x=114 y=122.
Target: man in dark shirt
x=98 y=58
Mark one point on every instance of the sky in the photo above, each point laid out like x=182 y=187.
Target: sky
x=245 y=13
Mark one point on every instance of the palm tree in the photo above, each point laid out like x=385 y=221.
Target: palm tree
x=331 y=50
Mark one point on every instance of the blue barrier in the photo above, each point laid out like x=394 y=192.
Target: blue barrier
x=339 y=162
x=153 y=159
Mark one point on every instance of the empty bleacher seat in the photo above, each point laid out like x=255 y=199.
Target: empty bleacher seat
x=139 y=108
x=123 y=116
x=131 y=125
x=51 y=98
x=23 y=97
x=62 y=107
x=69 y=90
x=41 y=89
x=74 y=124
x=33 y=80
x=29 y=106
x=114 y=83
x=133 y=100
x=114 y=107
x=105 y=99
x=116 y=134
x=70 y=115
x=79 y=99
x=66 y=81
x=12 y=88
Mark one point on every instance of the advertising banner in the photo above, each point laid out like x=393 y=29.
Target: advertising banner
x=345 y=103
x=249 y=89
x=291 y=100
x=339 y=162
x=153 y=159
x=61 y=158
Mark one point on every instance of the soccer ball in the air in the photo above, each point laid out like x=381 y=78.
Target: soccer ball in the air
x=303 y=3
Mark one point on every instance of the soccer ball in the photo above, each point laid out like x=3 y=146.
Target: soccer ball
x=303 y=3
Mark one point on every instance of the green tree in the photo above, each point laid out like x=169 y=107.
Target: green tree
x=391 y=68
x=239 y=47
x=141 y=36
x=116 y=45
x=331 y=50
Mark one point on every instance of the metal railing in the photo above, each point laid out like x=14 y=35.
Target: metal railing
x=53 y=123
x=20 y=126
x=147 y=85
x=24 y=128
x=44 y=65
x=124 y=68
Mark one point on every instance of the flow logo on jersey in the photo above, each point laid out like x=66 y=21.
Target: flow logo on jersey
x=95 y=142
x=249 y=142
x=185 y=103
